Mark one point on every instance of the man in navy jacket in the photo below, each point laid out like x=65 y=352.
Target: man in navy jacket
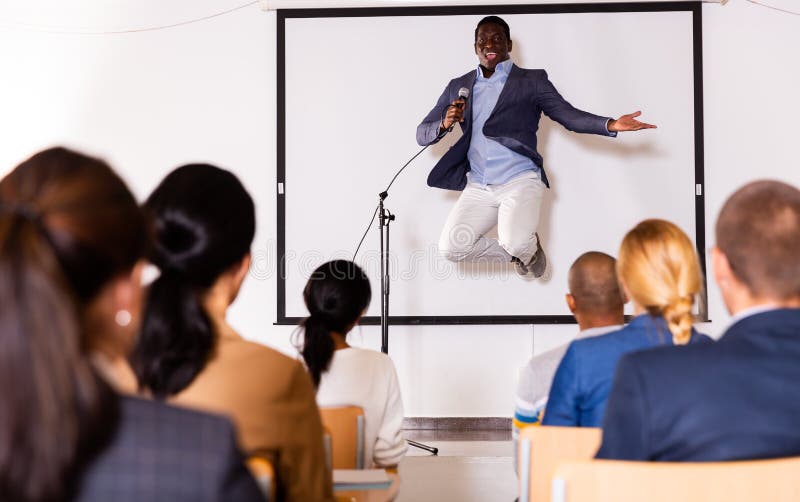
x=495 y=162
x=737 y=398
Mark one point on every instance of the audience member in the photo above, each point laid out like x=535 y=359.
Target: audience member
x=336 y=295
x=188 y=353
x=659 y=271
x=737 y=398
x=595 y=300
x=71 y=240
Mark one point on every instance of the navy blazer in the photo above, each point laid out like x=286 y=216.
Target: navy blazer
x=582 y=381
x=735 y=399
x=513 y=122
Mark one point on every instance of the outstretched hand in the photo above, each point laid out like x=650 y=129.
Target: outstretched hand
x=628 y=123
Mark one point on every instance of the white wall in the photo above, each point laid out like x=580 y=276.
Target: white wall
x=150 y=101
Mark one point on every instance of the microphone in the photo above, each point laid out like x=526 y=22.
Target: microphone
x=463 y=93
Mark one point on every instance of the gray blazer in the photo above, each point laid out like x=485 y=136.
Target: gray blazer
x=513 y=122
x=163 y=453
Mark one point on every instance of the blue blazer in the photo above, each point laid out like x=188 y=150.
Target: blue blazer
x=735 y=399
x=582 y=381
x=513 y=122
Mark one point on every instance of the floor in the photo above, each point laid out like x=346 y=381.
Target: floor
x=474 y=466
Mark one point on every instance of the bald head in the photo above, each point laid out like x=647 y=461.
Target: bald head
x=758 y=231
x=594 y=287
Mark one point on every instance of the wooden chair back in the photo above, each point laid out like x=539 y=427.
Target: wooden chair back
x=542 y=448
x=346 y=428
x=264 y=473
x=618 y=481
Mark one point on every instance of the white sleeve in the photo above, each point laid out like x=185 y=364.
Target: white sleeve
x=390 y=445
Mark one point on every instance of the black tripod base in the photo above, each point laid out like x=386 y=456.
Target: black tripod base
x=425 y=447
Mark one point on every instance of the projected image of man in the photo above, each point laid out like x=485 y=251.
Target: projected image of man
x=495 y=164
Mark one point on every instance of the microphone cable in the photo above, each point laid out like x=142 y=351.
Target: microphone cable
x=374 y=213
x=463 y=93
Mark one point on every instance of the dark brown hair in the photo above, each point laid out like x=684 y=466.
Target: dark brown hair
x=758 y=230
x=68 y=224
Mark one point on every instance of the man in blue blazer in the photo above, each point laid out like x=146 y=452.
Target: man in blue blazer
x=738 y=398
x=495 y=163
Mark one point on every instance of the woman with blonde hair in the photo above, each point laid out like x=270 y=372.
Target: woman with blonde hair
x=659 y=272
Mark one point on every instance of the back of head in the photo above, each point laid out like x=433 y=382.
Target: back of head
x=68 y=226
x=658 y=264
x=758 y=230
x=204 y=223
x=594 y=286
x=336 y=295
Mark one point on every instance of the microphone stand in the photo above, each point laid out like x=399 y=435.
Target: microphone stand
x=385 y=217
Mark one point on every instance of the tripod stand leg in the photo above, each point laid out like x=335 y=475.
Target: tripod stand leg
x=384 y=219
x=425 y=447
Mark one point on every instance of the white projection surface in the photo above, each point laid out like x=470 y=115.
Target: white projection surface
x=356 y=87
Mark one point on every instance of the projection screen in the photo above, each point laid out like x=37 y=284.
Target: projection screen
x=353 y=84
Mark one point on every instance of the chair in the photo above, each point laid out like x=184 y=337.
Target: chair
x=346 y=427
x=264 y=473
x=619 y=481
x=542 y=448
x=326 y=443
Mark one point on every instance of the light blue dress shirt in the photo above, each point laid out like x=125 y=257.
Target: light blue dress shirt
x=490 y=162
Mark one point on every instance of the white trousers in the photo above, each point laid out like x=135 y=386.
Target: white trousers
x=513 y=207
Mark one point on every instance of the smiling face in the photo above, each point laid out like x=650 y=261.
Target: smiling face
x=491 y=45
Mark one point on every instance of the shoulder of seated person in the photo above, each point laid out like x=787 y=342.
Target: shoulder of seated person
x=243 y=344
x=257 y=354
x=368 y=354
x=668 y=356
x=699 y=337
x=367 y=358
x=146 y=412
x=549 y=354
x=592 y=341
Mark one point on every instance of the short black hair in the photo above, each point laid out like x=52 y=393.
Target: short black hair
x=495 y=20
x=593 y=284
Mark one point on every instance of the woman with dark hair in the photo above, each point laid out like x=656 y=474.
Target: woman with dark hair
x=188 y=353
x=336 y=295
x=71 y=240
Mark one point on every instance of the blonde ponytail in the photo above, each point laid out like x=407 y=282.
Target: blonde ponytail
x=658 y=264
x=678 y=316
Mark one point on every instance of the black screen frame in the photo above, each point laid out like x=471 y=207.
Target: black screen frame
x=700 y=188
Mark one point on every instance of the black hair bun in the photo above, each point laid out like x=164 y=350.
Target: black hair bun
x=178 y=241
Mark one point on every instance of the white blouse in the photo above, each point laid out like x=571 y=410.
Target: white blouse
x=367 y=378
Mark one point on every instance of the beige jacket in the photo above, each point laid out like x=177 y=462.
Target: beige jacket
x=271 y=400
